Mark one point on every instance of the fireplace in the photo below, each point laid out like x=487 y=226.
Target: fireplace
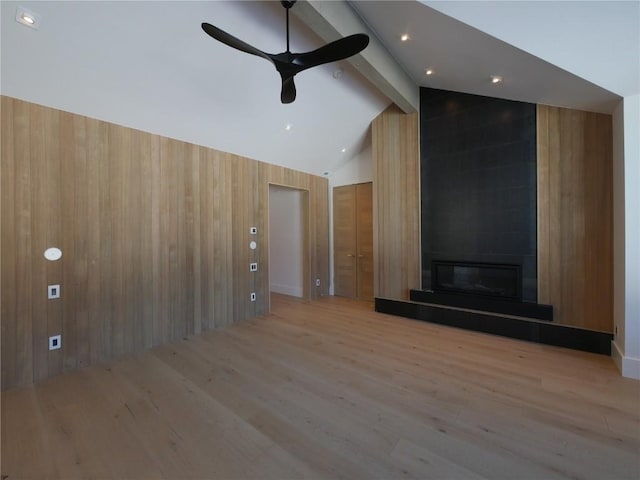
x=494 y=280
x=480 y=286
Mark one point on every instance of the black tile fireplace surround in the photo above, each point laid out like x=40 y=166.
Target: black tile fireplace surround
x=478 y=184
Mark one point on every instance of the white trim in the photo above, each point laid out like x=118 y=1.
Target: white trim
x=616 y=355
x=292 y=291
x=628 y=366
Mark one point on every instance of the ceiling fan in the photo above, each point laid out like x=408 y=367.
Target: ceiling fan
x=289 y=64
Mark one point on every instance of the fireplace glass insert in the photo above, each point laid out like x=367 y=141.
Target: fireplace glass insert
x=487 y=279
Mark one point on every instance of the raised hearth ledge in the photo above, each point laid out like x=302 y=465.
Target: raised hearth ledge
x=505 y=326
x=514 y=308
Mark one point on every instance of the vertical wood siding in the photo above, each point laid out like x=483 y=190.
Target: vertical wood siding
x=396 y=204
x=154 y=234
x=575 y=216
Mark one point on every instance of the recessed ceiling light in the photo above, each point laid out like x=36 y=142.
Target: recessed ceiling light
x=428 y=71
x=404 y=37
x=287 y=127
x=27 y=18
x=496 y=79
x=343 y=150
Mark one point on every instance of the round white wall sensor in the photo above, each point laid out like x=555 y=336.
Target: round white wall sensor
x=253 y=245
x=53 y=254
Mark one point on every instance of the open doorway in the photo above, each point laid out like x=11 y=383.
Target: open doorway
x=288 y=241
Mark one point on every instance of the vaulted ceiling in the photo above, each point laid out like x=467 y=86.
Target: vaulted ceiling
x=148 y=65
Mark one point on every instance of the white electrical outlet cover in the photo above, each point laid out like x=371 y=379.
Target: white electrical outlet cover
x=53 y=291
x=253 y=245
x=55 y=342
x=52 y=254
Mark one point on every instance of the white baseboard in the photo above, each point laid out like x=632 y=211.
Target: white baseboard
x=287 y=290
x=629 y=367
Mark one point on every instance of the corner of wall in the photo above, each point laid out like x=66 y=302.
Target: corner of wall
x=627 y=366
x=626 y=154
x=616 y=355
x=617 y=345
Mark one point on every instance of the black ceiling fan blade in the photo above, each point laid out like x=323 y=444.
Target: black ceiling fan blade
x=288 y=92
x=289 y=64
x=331 y=52
x=234 y=42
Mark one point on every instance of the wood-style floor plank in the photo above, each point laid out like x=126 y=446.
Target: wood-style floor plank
x=330 y=389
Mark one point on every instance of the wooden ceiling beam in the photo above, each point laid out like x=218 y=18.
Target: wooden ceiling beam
x=336 y=19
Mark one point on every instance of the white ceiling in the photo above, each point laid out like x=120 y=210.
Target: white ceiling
x=464 y=58
x=148 y=65
x=595 y=40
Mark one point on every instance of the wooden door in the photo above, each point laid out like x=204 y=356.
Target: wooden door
x=364 y=241
x=344 y=241
x=353 y=241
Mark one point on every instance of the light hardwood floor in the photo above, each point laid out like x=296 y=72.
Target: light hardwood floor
x=330 y=389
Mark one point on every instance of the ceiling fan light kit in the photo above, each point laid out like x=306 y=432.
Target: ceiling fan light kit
x=287 y=63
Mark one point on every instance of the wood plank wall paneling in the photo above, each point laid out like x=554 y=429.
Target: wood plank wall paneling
x=154 y=234
x=319 y=234
x=575 y=216
x=396 y=204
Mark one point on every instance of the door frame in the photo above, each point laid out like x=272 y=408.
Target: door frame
x=306 y=233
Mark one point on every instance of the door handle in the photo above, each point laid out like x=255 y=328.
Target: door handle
x=349 y=255
x=360 y=256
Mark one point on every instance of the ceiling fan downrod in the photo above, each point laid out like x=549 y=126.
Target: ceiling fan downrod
x=287 y=6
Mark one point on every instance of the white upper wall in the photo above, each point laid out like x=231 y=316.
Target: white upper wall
x=357 y=170
x=149 y=66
